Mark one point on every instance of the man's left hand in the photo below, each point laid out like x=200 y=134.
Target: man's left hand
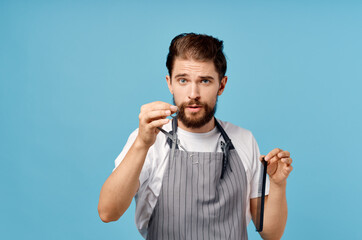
x=279 y=165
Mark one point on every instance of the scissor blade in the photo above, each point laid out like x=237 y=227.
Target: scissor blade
x=173 y=139
x=167 y=134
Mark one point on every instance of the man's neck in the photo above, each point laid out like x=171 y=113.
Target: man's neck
x=206 y=128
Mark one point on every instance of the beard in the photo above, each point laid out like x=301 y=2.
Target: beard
x=195 y=121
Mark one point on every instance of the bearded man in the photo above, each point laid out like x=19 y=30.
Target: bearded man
x=195 y=177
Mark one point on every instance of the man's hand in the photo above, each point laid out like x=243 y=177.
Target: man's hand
x=121 y=186
x=279 y=165
x=153 y=115
x=276 y=209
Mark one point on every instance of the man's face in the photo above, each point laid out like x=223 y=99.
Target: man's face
x=195 y=87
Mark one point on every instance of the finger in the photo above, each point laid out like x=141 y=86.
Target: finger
x=158 y=123
x=261 y=158
x=154 y=115
x=288 y=170
x=158 y=105
x=272 y=153
x=273 y=160
x=284 y=154
x=287 y=161
x=173 y=108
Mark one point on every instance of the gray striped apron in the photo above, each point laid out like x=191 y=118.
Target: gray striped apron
x=203 y=195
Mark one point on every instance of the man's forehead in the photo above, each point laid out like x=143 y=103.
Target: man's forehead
x=187 y=66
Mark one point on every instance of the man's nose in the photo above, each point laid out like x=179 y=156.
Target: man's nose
x=194 y=91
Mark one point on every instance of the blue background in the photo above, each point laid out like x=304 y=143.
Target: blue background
x=73 y=75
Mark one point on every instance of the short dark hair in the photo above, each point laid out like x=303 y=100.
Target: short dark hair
x=199 y=47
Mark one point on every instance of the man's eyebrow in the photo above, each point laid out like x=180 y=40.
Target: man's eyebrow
x=186 y=75
x=207 y=77
x=181 y=75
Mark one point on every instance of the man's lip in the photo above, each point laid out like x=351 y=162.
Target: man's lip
x=194 y=108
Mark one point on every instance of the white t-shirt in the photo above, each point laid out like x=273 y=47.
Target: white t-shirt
x=158 y=154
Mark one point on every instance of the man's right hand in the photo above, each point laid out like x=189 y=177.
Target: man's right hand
x=121 y=186
x=153 y=115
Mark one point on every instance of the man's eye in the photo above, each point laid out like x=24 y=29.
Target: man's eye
x=205 y=81
x=182 y=80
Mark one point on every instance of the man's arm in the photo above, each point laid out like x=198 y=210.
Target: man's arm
x=275 y=213
x=122 y=185
x=276 y=209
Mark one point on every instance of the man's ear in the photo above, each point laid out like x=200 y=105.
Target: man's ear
x=169 y=84
x=222 y=85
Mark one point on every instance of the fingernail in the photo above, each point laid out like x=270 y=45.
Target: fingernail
x=173 y=108
x=168 y=112
x=266 y=158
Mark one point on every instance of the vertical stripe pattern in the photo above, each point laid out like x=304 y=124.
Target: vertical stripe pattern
x=194 y=203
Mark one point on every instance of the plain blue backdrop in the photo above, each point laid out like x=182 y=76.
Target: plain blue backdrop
x=74 y=74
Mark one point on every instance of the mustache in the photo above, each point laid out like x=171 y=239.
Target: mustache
x=193 y=102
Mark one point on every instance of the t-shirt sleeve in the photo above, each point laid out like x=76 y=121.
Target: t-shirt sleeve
x=145 y=169
x=256 y=181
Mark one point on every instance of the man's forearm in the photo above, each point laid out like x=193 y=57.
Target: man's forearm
x=276 y=212
x=121 y=186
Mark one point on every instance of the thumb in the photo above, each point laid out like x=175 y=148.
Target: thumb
x=261 y=158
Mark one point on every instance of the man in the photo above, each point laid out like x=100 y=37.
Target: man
x=199 y=177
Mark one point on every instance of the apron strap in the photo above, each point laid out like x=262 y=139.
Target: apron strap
x=224 y=135
x=225 y=147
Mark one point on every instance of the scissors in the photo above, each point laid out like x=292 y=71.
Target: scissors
x=173 y=136
x=260 y=218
